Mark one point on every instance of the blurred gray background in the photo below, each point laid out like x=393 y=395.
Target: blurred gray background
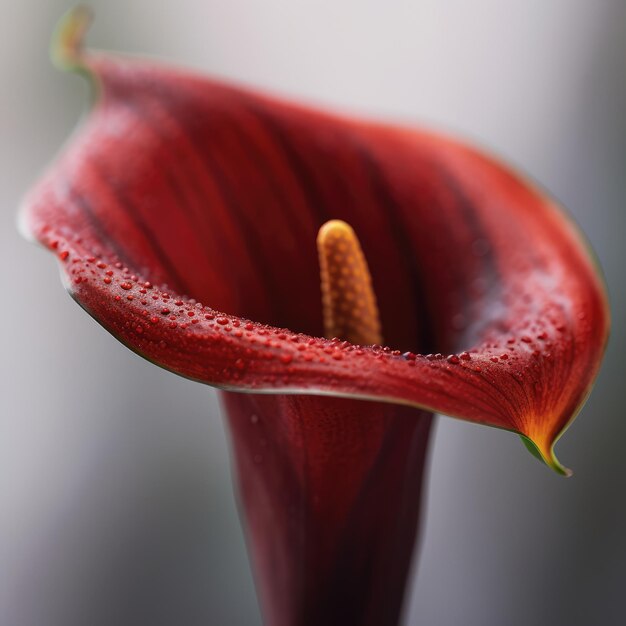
x=115 y=498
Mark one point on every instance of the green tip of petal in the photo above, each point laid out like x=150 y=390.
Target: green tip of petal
x=66 y=48
x=546 y=456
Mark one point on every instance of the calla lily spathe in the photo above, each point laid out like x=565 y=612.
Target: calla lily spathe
x=184 y=214
x=218 y=193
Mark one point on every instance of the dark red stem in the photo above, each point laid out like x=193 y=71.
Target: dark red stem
x=330 y=494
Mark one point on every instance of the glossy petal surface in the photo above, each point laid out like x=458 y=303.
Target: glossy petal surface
x=180 y=198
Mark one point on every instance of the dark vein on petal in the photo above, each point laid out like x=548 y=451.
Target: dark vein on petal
x=97 y=226
x=255 y=152
x=385 y=198
x=247 y=229
x=120 y=192
x=489 y=272
x=143 y=115
x=299 y=166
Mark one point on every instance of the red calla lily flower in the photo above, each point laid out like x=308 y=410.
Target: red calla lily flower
x=184 y=214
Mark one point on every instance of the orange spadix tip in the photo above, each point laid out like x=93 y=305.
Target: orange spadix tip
x=348 y=299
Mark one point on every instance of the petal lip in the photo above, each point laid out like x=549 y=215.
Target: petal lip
x=531 y=339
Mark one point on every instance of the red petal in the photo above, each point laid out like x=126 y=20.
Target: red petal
x=219 y=192
x=331 y=495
